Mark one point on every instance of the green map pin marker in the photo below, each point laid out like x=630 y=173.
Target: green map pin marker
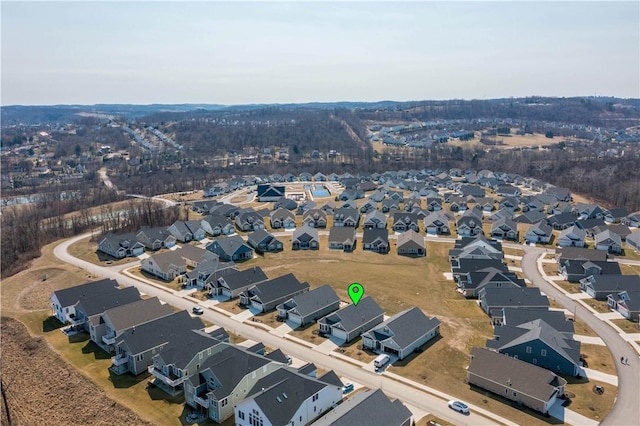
x=356 y=291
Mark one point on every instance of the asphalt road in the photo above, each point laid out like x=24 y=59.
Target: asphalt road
x=392 y=388
x=626 y=410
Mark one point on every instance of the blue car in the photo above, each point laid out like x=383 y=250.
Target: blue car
x=347 y=388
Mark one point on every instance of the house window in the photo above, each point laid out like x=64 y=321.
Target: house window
x=241 y=415
x=255 y=419
x=139 y=357
x=515 y=395
x=535 y=361
x=528 y=349
x=543 y=352
x=223 y=402
x=315 y=397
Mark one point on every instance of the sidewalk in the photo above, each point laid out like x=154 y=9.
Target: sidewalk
x=570 y=417
x=589 y=339
x=601 y=377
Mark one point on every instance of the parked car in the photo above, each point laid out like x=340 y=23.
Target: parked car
x=198 y=310
x=347 y=388
x=459 y=406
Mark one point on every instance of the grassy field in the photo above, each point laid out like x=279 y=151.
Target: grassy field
x=627 y=326
x=599 y=305
x=586 y=401
x=598 y=357
x=572 y=288
x=550 y=269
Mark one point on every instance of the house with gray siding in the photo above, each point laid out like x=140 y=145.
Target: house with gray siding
x=309 y=306
x=352 y=320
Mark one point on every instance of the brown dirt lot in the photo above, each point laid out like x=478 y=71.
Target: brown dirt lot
x=66 y=397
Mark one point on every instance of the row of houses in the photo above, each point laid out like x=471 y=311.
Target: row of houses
x=531 y=346
x=218 y=379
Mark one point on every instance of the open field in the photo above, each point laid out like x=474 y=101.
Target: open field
x=586 y=401
x=630 y=269
x=572 y=288
x=599 y=305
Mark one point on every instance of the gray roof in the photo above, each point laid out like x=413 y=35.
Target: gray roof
x=154 y=333
x=581 y=254
x=341 y=234
x=229 y=366
x=556 y=319
x=365 y=408
x=181 y=349
x=521 y=376
x=353 y=316
x=229 y=245
x=411 y=239
x=236 y=280
x=614 y=283
x=271 y=290
x=125 y=316
x=369 y=235
x=70 y=296
x=150 y=235
x=314 y=300
x=217 y=220
x=280 y=394
x=405 y=327
x=305 y=233
x=513 y=297
x=508 y=336
x=98 y=303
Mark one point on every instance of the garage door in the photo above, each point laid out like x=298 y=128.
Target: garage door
x=340 y=334
x=295 y=318
x=256 y=305
x=227 y=292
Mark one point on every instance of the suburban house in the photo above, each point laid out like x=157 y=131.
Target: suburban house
x=470 y=223
x=215 y=224
x=561 y=221
x=402 y=334
x=63 y=302
x=531 y=217
x=541 y=232
x=588 y=211
x=267 y=193
x=375 y=239
x=305 y=238
x=346 y=217
x=285 y=203
x=464 y=265
x=89 y=309
x=136 y=345
x=306 y=206
x=282 y=218
x=287 y=397
x=404 y=221
x=171 y=264
x=315 y=218
x=537 y=343
x=477 y=247
x=510 y=378
x=608 y=241
x=224 y=379
x=185 y=231
x=518 y=316
x=437 y=223
x=155 y=238
x=266 y=295
x=572 y=237
x=121 y=246
x=309 y=306
x=231 y=248
x=627 y=303
x=505 y=228
x=351 y=194
x=632 y=220
x=375 y=219
x=573 y=270
x=389 y=204
x=600 y=287
x=434 y=204
x=495 y=299
x=369 y=206
x=633 y=240
x=182 y=357
x=207 y=271
x=558 y=193
x=367 y=407
x=115 y=321
x=232 y=284
x=249 y=221
x=457 y=204
x=342 y=238
x=352 y=320
x=615 y=215
x=486 y=204
x=472 y=282
x=263 y=242
x=411 y=243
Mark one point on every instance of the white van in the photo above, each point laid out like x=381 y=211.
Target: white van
x=381 y=361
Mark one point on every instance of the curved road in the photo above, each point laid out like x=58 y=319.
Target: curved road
x=420 y=399
x=626 y=410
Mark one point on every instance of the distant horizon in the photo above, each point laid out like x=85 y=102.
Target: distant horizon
x=325 y=102
x=278 y=52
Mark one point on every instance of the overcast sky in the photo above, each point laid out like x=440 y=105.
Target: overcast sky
x=278 y=52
